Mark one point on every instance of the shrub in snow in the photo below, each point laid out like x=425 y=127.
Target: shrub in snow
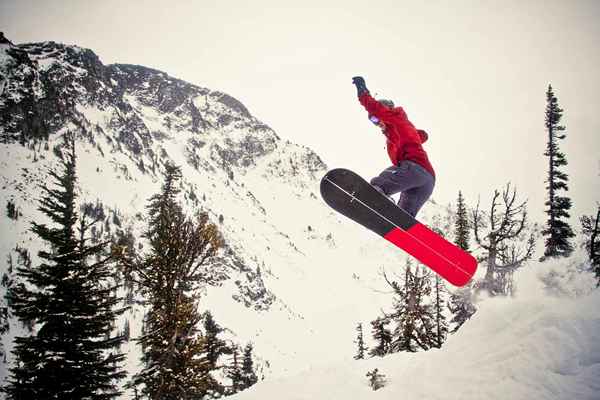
x=376 y=379
x=571 y=278
x=12 y=210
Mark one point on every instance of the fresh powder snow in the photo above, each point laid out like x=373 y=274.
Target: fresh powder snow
x=318 y=273
x=542 y=344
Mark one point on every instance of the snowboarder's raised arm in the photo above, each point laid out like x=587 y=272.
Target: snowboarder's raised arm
x=372 y=106
x=375 y=108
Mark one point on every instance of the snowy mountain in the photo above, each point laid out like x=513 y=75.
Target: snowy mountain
x=289 y=260
x=294 y=278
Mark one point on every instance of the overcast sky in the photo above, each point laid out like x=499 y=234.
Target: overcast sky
x=472 y=73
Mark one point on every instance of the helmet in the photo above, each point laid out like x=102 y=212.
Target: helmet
x=386 y=102
x=423 y=135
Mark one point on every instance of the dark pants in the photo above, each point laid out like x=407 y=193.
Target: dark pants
x=414 y=181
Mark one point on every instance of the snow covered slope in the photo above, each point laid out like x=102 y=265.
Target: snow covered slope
x=289 y=261
x=543 y=344
x=294 y=278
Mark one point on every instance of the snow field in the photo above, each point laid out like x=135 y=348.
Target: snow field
x=534 y=346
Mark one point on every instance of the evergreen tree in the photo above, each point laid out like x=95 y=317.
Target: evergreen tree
x=383 y=337
x=12 y=211
x=441 y=324
x=249 y=377
x=558 y=232
x=414 y=318
x=461 y=306
x=126 y=331
x=376 y=379
x=215 y=347
x=175 y=363
x=234 y=371
x=360 y=343
x=69 y=300
x=461 y=226
x=9 y=281
x=591 y=230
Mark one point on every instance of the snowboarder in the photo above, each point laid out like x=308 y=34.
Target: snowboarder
x=411 y=173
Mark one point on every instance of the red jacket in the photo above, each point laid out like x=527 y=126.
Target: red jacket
x=403 y=141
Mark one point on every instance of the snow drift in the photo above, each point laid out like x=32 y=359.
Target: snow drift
x=542 y=344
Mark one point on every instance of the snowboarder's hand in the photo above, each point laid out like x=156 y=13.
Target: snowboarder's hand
x=361 y=86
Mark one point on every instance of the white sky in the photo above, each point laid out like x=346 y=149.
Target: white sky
x=472 y=73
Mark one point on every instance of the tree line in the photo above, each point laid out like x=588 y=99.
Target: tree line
x=72 y=300
x=505 y=239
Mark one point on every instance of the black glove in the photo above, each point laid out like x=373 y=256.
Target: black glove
x=361 y=86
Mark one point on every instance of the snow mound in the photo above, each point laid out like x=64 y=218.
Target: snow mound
x=542 y=344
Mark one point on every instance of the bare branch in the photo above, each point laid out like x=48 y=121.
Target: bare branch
x=393 y=284
x=504 y=241
x=478 y=223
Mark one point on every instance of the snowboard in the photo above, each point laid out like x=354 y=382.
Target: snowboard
x=349 y=194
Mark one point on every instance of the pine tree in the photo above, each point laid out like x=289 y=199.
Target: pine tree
x=249 y=377
x=414 y=317
x=461 y=306
x=376 y=379
x=234 y=371
x=441 y=324
x=126 y=331
x=360 y=342
x=175 y=363
x=461 y=226
x=558 y=232
x=69 y=300
x=215 y=347
x=382 y=336
x=9 y=281
x=12 y=211
x=591 y=230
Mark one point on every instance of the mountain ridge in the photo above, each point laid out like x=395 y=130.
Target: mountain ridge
x=261 y=190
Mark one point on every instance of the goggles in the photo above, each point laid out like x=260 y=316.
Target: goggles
x=374 y=119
